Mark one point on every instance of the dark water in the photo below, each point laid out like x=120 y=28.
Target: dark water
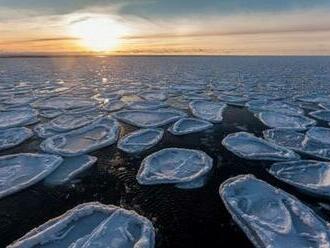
x=182 y=218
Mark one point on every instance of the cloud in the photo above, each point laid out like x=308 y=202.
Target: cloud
x=294 y=30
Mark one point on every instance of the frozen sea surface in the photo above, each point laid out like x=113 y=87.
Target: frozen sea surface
x=35 y=91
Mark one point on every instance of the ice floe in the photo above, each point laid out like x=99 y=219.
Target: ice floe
x=246 y=145
x=274 y=106
x=146 y=105
x=323 y=115
x=114 y=105
x=307 y=175
x=13 y=137
x=18 y=117
x=63 y=102
x=19 y=171
x=68 y=122
x=92 y=225
x=189 y=125
x=50 y=113
x=140 y=140
x=314 y=98
x=319 y=134
x=154 y=95
x=148 y=118
x=298 y=142
x=271 y=217
x=279 y=120
x=325 y=105
x=45 y=130
x=99 y=134
x=233 y=100
x=69 y=169
x=207 y=110
x=186 y=168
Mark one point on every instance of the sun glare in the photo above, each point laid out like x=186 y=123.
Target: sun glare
x=99 y=34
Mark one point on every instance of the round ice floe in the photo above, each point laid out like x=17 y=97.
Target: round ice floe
x=68 y=122
x=207 y=110
x=146 y=105
x=19 y=117
x=69 y=169
x=140 y=140
x=186 y=168
x=13 y=137
x=50 y=113
x=278 y=120
x=271 y=217
x=20 y=100
x=45 y=130
x=63 y=102
x=233 y=100
x=22 y=170
x=99 y=134
x=81 y=110
x=114 y=105
x=314 y=98
x=153 y=95
x=274 y=106
x=307 y=175
x=323 y=115
x=148 y=118
x=298 y=142
x=246 y=145
x=92 y=225
x=319 y=134
x=189 y=125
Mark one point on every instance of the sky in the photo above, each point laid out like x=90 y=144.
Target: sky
x=179 y=27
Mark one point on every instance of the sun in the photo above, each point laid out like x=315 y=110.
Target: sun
x=99 y=34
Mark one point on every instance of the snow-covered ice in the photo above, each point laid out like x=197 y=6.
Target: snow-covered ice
x=271 y=217
x=101 y=133
x=279 y=120
x=207 y=110
x=186 y=168
x=246 y=145
x=69 y=169
x=148 y=118
x=307 y=175
x=189 y=125
x=12 y=137
x=92 y=225
x=140 y=140
x=19 y=171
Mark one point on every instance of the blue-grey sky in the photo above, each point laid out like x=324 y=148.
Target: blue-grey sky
x=161 y=26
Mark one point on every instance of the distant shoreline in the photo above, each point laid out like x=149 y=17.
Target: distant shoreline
x=147 y=55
